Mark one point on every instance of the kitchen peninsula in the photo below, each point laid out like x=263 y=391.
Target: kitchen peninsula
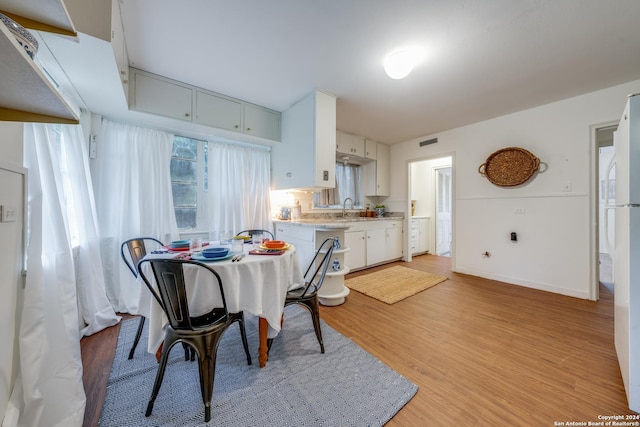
x=364 y=242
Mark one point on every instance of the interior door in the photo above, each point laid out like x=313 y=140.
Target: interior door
x=12 y=189
x=443 y=211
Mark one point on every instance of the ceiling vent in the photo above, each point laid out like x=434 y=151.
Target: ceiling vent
x=428 y=142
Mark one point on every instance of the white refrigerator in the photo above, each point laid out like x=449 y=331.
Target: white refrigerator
x=627 y=249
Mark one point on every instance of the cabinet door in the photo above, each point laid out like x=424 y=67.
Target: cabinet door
x=370 y=149
x=158 y=96
x=261 y=122
x=357 y=145
x=376 y=251
x=300 y=237
x=356 y=257
x=383 y=164
x=423 y=235
x=343 y=142
x=393 y=241
x=218 y=111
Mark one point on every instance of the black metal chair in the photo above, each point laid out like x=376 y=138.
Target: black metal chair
x=256 y=231
x=307 y=296
x=202 y=333
x=136 y=250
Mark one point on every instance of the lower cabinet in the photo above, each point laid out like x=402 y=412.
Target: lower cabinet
x=356 y=242
x=373 y=242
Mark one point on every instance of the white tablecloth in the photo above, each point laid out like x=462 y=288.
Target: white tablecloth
x=258 y=285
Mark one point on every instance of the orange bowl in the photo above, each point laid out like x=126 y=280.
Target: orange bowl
x=274 y=244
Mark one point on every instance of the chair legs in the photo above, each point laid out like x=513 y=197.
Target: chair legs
x=312 y=305
x=243 y=334
x=137 y=339
x=206 y=349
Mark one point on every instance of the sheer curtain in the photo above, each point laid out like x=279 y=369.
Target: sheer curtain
x=238 y=195
x=133 y=198
x=58 y=291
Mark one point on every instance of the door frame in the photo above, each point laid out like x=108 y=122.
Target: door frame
x=594 y=209
x=407 y=222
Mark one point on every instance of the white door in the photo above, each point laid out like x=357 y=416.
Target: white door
x=11 y=266
x=443 y=211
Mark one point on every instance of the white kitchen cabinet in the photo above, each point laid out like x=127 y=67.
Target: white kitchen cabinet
x=305 y=158
x=419 y=236
x=377 y=178
x=262 y=122
x=218 y=111
x=393 y=240
x=356 y=258
x=348 y=144
x=376 y=242
x=27 y=94
x=370 y=149
x=303 y=238
x=119 y=46
x=157 y=95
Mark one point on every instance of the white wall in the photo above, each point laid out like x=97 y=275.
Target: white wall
x=556 y=234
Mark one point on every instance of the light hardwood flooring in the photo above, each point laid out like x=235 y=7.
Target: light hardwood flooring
x=483 y=353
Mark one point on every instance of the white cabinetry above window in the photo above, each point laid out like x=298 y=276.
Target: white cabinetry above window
x=150 y=93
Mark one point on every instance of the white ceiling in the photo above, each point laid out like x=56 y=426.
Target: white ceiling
x=486 y=58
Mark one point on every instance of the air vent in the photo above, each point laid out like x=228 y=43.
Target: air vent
x=428 y=142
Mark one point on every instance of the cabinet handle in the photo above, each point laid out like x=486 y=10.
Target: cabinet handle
x=186 y=114
x=236 y=126
x=248 y=129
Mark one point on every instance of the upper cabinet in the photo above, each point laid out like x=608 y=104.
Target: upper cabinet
x=261 y=122
x=350 y=144
x=156 y=95
x=370 y=149
x=305 y=159
x=27 y=94
x=150 y=93
x=218 y=111
x=377 y=174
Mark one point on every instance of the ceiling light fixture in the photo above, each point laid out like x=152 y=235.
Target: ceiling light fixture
x=399 y=63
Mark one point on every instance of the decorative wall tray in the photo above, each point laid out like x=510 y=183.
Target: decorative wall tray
x=510 y=166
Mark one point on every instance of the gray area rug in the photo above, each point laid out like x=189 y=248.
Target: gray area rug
x=300 y=386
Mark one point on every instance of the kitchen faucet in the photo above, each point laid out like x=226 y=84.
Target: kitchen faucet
x=344 y=205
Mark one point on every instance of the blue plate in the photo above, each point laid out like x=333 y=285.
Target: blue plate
x=199 y=257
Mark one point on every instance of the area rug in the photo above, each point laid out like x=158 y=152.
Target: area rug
x=394 y=284
x=300 y=386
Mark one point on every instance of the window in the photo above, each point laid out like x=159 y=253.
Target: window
x=189 y=179
x=348 y=184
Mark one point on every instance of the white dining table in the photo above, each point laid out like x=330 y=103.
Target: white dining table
x=257 y=284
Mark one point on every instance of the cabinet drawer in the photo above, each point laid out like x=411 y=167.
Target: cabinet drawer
x=296 y=232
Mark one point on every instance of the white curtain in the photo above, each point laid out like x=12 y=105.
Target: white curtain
x=133 y=198
x=238 y=194
x=58 y=291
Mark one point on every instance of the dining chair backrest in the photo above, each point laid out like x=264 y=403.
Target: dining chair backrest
x=136 y=250
x=172 y=290
x=318 y=266
x=265 y=233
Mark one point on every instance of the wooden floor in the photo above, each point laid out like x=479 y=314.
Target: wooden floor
x=483 y=353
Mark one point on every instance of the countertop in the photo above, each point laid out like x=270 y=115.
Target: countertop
x=336 y=223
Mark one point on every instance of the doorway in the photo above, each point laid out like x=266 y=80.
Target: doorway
x=606 y=201
x=430 y=192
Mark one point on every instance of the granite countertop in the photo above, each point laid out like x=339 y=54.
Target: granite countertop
x=331 y=223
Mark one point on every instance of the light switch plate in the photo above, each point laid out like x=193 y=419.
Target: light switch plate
x=8 y=214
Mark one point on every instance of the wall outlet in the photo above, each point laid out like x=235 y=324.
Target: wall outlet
x=8 y=214
x=519 y=211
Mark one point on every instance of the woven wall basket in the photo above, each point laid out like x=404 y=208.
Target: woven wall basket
x=509 y=166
